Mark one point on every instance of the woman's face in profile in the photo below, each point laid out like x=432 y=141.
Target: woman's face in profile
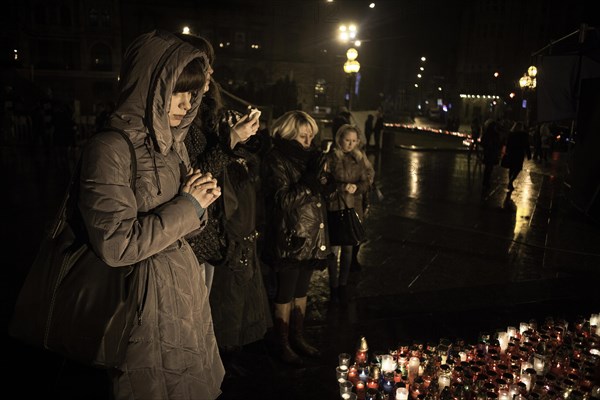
x=180 y=105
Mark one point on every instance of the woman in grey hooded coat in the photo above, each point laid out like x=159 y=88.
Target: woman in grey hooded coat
x=172 y=351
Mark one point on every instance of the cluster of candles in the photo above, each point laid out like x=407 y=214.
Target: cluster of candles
x=551 y=361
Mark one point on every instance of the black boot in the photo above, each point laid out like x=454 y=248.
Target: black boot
x=297 y=337
x=281 y=329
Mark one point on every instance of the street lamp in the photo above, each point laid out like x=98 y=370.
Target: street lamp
x=351 y=67
x=528 y=82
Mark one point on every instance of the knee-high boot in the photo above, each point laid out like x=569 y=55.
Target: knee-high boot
x=282 y=330
x=297 y=337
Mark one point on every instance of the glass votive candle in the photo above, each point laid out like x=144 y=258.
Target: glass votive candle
x=388 y=382
x=346 y=389
x=341 y=374
x=443 y=381
x=360 y=388
x=387 y=363
x=413 y=366
x=504 y=394
x=539 y=363
x=363 y=372
x=344 y=360
x=353 y=374
x=402 y=393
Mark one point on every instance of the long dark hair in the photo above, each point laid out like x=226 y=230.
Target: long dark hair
x=192 y=78
x=211 y=107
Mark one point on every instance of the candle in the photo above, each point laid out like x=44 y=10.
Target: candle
x=402 y=393
x=413 y=366
x=388 y=382
x=512 y=332
x=387 y=363
x=525 y=365
x=341 y=373
x=360 y=389
x=595 y=319
x=346 y=389
x=363 y=372
x=353 y=374
x=462 y=355
x=504 y=394
x=443 y=381
x=344 y=360
x=503 y=340
x=538 y=363
x=523 y=326
x=526 y=379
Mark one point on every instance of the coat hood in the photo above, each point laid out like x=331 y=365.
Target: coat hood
x=151 y=66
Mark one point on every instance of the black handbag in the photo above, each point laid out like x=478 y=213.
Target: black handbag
x=345 y=228
x=72 y=303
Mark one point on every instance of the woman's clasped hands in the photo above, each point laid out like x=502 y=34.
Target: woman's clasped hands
x=203 y=187
x=350 y=188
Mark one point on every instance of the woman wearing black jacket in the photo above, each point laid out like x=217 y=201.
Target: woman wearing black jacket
x=295 y=190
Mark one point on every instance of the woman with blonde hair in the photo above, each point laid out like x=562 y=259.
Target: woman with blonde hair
x=354 y=175
x=296 y=187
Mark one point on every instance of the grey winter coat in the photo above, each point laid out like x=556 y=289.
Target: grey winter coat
x=173 y=353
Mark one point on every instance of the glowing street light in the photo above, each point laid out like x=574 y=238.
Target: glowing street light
x=528 y=80
x=351 y=67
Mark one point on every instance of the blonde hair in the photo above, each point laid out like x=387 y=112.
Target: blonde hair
x=288 y=125
x=339 y=136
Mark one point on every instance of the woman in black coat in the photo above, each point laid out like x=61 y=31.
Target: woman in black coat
x=517 y=147
x=295 y=188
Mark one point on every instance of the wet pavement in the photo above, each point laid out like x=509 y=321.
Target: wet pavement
x=440 y=262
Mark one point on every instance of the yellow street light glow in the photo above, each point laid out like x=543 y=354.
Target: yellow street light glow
x=532 y=71
x=352 y=54
x=343 y=28
x=351 y=66
x=186 y=30
x=423 y=59
x=372 y=5
x=357 y=43
x=418 y=75
x=525 y=81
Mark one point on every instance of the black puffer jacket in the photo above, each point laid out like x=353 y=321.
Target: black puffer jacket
x=297 y=213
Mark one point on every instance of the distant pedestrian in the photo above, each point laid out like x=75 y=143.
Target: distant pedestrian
x=546 y=142
x=475 y=134
x=491 y=142
x=343 y=117
x=517 y=147
x=368 y=130
x=378 y=128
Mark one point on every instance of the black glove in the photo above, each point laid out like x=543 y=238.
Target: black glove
x=310 y=179
x=328 y=184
